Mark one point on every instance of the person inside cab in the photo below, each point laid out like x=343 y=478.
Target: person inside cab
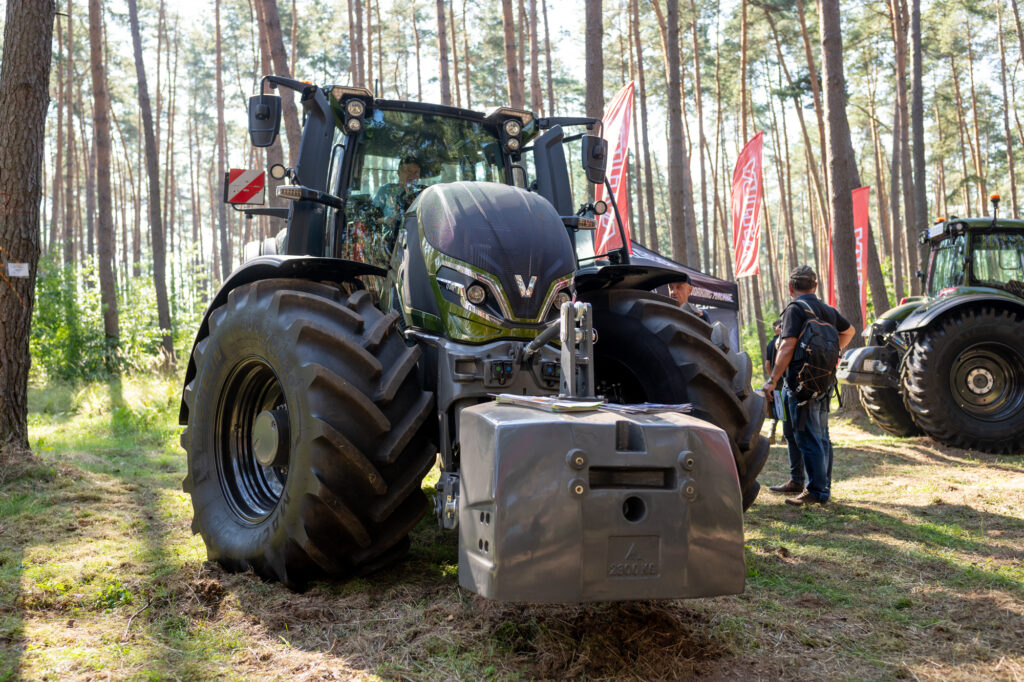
x=394 y=197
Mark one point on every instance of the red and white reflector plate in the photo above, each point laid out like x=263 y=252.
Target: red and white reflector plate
x=245 y=186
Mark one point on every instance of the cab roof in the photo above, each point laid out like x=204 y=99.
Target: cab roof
x=957 y=225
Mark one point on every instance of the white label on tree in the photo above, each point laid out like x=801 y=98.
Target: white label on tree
x=17 y=269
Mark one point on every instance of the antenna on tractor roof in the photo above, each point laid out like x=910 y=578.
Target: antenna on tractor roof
x=995 y=207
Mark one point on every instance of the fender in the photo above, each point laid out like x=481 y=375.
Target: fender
x=929 y=312
x=274 y=267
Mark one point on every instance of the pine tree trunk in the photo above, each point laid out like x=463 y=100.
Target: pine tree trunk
x=979 y=158
x=156 y=223
x=359 y=54
x=280 y=59
x=843 y=177
x=594 y=85
x=917 y=123
x=442 y=54
x=69 y=177
x=1008 y=138
x=754 y=283
x=652 y=223
x=101 y=131
x=416 y=41
x=678 y=165
x=455 y=53
x=275 y=154
x=58 y=163
x=465 y=56
x=899 y=268
x=516 y=97
x=701 y=142
x=547 y=60
x=222 y=213
x=536 y=95
x=24 y=98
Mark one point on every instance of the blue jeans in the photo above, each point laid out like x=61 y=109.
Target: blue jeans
x=809 y=448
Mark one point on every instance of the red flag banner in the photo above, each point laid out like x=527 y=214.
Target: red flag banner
x=617 y=121
x=746 y=208
x=861 y=195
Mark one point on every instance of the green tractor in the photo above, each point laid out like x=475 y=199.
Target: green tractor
x=950 y=364
x=428 y=258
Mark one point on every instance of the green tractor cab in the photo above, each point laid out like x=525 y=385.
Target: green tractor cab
x=950 y=364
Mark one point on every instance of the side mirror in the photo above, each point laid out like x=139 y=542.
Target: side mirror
x=595 y=158
x=264 y=119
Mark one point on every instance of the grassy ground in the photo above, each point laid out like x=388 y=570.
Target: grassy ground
x=915 y=571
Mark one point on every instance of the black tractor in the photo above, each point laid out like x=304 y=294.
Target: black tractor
x=950 y=364
x=427 y=255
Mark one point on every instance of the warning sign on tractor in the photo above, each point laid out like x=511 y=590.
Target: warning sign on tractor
x=245 y=186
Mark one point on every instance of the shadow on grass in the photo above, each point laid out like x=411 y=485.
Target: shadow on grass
x=933 y=571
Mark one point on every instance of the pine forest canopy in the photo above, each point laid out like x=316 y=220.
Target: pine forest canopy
x=731 y=69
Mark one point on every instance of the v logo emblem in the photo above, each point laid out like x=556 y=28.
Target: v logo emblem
x=526 y=290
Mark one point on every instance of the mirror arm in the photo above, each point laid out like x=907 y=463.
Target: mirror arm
x=298 y=86
x=624 y=251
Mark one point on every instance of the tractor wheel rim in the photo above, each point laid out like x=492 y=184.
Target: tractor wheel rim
x=987 y=381
x=251 y=489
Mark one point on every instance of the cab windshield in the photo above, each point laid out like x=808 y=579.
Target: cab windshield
x=998 y=259
x=947 y=266
x=399 y=154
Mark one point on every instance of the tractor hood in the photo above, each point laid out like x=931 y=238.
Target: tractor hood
x=514 y=235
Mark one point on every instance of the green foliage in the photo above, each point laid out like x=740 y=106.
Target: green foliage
x=68 y=341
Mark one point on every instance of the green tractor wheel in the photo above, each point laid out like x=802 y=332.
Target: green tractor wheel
x=649 y=350
x=886 y=409
x=308 y=433
x=964 y=380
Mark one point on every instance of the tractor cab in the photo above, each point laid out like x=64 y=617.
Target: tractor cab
x=971 y=253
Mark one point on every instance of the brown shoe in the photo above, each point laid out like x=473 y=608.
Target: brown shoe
x=804 y=498
x=788 y=487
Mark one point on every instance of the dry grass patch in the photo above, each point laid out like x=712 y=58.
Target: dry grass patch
x=915 y=571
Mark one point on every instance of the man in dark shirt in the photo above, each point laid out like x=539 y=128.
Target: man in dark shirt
x=810 y=449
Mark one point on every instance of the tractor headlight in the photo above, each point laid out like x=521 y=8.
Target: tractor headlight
x=355 y=108
x=475 y=294
x=354 y=125
x=561 y=298
x=513 y=127
x=512 y=144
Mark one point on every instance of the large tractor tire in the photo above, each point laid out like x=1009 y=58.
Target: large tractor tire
x=886 y=409
x=650 y=350
x=964 y=380
x=308 y=433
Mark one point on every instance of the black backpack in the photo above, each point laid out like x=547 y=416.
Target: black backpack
x=817 y=349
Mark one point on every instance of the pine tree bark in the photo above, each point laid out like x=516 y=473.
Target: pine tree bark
x=280 y=58
x=58 y=163
x=156 y=221
x=547 y=60
x=455 y=52
x=536 y=94
x=701 y=142
x=101 y=131
x=1008 y=138
x=442 y=55
x=416 y=42
x=678 y=165
x=843 y=177
x=358 y=53
x=275 y=154
x=69 y=176
x=221 y=222
x=917 y=121
x=594 y=72
x=652 y=225
x=24 y=98
x=516 y=97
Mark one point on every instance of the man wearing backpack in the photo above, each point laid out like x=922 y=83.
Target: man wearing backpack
x=813 y=333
